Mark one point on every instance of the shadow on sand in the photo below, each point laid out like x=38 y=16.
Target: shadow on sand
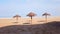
x=48 y=28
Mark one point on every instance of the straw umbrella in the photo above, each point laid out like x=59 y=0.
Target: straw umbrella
x=46 y=15
x=31 y=14
x=17 y=17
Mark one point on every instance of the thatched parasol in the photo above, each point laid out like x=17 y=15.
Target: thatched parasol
x=46 y=14
x=31 y=14
x=17 y=17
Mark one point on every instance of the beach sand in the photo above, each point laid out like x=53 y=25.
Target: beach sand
x=23 y=21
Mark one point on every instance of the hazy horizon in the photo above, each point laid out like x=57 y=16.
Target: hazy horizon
x=9 y=8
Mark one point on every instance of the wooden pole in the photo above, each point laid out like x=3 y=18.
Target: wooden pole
x=46 y=18
x=31 y=20
x=17 y=19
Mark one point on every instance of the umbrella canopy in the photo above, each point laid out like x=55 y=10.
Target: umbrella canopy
x=45 y=14
x=31 y=14
x=16 y=16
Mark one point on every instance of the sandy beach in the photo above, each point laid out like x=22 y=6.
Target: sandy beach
x=22 y=21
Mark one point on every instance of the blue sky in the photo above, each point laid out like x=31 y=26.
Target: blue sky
x=9 y=8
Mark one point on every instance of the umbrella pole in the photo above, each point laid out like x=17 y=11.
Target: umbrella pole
x=31 y=20
x=17 y=19
x=46 y=18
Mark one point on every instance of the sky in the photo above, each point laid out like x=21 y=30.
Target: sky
x=9 y=8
